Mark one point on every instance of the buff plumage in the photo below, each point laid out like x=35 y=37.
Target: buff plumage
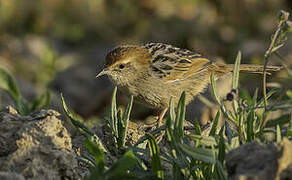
x=154 y=72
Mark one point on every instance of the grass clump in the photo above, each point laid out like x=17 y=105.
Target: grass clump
x=23 y=107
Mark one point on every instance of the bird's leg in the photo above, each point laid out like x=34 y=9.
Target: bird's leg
x=158 y=123
x=160 y=117
x=159 y=136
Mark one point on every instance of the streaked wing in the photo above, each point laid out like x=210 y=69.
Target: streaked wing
x=172 y=63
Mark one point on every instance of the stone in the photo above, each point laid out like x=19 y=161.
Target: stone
x=36 y=146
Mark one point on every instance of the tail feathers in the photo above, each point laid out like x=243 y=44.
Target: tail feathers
x=248 y=68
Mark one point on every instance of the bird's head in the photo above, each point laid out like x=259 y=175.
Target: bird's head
x=124 y=63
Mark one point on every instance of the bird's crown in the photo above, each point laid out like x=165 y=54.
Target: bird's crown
x=125 y=53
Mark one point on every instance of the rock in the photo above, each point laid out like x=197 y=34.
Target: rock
x=10 y=176
x=36 y=147
x=254 y=161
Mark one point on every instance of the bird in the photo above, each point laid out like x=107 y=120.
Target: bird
x=154 y=72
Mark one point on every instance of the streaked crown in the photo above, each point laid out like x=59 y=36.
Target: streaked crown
x=124 y=53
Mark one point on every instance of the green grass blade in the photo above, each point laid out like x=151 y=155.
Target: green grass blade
x=203 y=140
x=221 y=149
x=22 y=106
x=8 y=84
x=222 y=130
x=254 y=98
x=155 y=156
x=97 y=153
x=235 y=76
x=214 y=89
x=180 y=118
x=95 y=175
x=176 y=172
x=121 y=129
x=77 y=123
x=197 y=128
x=172 y=114
x=129 y=109
x=125 y=121
x=269 y=94
x=205 y=155
x=244 y=95
x=88 y=159
x=289 y=133
x=234 y=143
x=120 y=168
x=220 y=171
x=114 y=119
x=41 y=102
x=250 y=126
x=170 y=122
x=215 y=124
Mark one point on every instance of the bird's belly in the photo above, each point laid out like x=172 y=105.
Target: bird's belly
x=156 y=94
x=151 y=95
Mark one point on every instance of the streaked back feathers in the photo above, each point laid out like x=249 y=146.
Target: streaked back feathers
x=171 y=63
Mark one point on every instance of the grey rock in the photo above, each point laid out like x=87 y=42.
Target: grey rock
x=37 y=146
x=254 y=161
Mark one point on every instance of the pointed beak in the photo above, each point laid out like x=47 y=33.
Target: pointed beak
x=103 y=72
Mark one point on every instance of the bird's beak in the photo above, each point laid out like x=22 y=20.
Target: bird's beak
x=103 y=72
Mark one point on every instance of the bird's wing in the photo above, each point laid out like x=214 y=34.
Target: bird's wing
x=174 y=64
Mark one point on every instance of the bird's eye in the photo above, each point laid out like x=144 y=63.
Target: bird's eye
x=121 y=66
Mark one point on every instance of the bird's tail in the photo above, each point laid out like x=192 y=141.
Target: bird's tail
x=247 y=68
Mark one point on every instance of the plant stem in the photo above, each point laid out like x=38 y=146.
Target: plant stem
x=266 y=58
x=240 y=127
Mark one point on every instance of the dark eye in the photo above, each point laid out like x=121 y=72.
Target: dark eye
x=121 y=66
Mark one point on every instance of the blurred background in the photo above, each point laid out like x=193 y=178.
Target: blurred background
x=60 y=45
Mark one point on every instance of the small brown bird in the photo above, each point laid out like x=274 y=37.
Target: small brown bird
x=154 y=72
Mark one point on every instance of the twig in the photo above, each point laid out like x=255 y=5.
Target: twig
x=275 y=44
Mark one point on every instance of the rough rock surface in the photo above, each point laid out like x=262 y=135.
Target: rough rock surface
x=35 y=147
x=254 y=161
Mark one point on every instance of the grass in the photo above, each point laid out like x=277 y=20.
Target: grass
x=183 y=157
x=23 y=107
